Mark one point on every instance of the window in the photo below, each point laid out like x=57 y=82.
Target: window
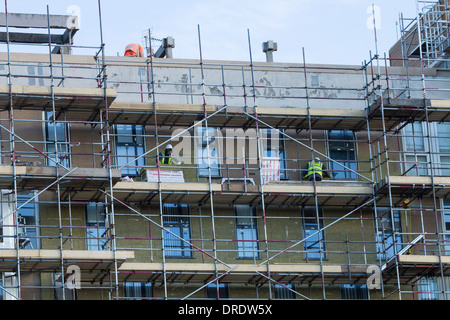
x=314 y=246
x=57 y=147
x=419 y=152
x=208 y=140
x=176 y=220
x=443 y=133
x=282 y=291
x=246 y=232
x=5 y=219
x=433 y=288
x=96 y=234
x=386 y=236
x=427 y=288
x=342 y=150
x=28 y=217
x=415 y=146
x=354 y=292
x=314 y=80
x=7 y=225
x=137 y=290
x=211 y=291
x=274 y=146
x=446 y=226
x=60 y=291
x=129 y=145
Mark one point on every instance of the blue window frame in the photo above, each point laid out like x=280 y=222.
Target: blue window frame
x=176 y=220
x=342 y=150
x=96 y=231
x=428 y=288
x=29 y=220
x=446 y=226
x=354 y=292
x=419 y=153
x=212 y=291
x=274 y=146
x=138 y=290
x=314 y=246
x=60 y=291
x=443 y=157
x=208 y=140
x=60 y=143
x=282 y=292
x=415 y=146
x=246 y=232
x=387 y=239
x=129 y=144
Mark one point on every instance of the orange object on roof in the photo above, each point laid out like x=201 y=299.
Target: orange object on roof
x=134 y=50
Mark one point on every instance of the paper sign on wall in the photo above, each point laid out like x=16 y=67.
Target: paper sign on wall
x=165 y=176
x=270 y=170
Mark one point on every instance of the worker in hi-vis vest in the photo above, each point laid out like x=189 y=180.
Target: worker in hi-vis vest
x=166 y=157
x=316 y=170
x=134 y=50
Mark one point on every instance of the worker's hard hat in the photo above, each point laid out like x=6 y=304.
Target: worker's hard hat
x=169 y=146
x=317 y=158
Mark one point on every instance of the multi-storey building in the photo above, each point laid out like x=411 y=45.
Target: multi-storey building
x=84 y=199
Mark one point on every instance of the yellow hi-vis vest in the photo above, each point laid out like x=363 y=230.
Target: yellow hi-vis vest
x=165 y=159
x=315 y=167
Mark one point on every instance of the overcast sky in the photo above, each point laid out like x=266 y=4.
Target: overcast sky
x=330 y=31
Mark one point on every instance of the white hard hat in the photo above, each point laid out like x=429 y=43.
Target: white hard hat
x=317 y=158
x=169 y=146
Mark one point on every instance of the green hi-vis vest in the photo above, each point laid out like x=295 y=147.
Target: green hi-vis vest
x=317 y=166
x=165 y=159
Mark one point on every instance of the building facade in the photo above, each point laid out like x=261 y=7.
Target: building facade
x=89 y=213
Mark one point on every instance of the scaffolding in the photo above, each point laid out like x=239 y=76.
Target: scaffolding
x=424 y=38
x=82 y=185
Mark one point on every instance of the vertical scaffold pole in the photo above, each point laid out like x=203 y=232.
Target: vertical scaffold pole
x=13 y=157
x=372 y=169
x=205 y=114
x=260 y=154
x=158 y=164
x=58 y=191
x=108 y=155
x=386 y=152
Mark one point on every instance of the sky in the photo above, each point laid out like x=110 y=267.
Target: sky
x=329 y=31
